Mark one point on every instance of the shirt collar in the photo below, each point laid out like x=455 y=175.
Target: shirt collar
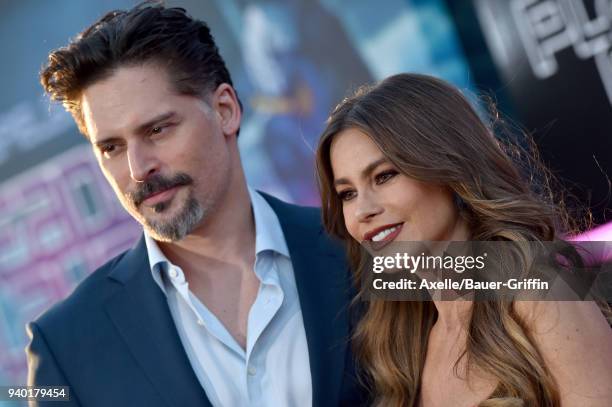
x=157 y=260
x=268 y=236
x=268 y=232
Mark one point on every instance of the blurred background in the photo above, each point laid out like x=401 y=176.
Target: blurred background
x=546 y=63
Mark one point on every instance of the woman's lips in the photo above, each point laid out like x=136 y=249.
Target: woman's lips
x=387 y=239
x=160 y=196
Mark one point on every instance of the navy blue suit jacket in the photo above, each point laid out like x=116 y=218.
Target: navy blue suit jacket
x=113 y=340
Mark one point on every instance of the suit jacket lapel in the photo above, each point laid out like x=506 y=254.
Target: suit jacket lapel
x=322 y=280
x=141 y=315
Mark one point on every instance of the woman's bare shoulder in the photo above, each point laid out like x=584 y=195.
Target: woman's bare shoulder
x=575 y=340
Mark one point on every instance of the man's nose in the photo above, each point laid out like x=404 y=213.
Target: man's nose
x=142 y=163
x=367 y=207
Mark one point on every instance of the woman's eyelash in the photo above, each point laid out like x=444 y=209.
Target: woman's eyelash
x=346 y=195
x=381 y=178
x=385 y=176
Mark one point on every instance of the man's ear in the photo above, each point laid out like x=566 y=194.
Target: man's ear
x=225 y=104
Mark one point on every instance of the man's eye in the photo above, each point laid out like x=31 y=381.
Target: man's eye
x=159 y=129
x=385 y=176
x=347 y=195
x=108 y=149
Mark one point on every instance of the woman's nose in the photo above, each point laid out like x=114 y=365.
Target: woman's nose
x=367 y=207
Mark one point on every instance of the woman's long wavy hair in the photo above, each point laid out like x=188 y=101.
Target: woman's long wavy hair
x=429 y=131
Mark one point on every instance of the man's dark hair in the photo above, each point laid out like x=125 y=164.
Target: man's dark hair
x=149 y=32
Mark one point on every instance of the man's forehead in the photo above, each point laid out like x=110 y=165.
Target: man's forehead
x=123 y=100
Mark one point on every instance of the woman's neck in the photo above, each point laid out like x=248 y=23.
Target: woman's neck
x=453 y=316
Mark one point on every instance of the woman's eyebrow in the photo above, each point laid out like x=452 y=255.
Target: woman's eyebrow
x=364 y=173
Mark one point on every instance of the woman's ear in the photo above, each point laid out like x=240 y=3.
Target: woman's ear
x=225 y=104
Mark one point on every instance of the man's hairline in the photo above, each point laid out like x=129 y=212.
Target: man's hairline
x=106 y=74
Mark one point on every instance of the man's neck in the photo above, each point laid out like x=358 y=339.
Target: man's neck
x=218 y=260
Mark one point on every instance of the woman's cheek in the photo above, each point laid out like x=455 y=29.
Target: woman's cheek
x=349 y=223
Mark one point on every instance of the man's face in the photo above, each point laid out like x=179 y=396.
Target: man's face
x=165 y=155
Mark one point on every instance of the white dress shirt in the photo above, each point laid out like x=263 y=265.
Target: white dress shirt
x=274 y=369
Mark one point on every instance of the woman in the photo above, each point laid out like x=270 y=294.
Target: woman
x=408 y=160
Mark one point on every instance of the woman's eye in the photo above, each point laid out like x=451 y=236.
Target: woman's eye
x=385 y=176
x=157 y=130
x=346 y=195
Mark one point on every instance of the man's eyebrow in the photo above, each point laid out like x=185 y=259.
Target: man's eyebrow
x=365 y=173
x=142 y=128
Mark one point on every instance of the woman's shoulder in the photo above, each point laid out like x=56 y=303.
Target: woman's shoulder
x=575 y=340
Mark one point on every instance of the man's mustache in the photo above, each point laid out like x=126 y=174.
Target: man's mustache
x=157 y=183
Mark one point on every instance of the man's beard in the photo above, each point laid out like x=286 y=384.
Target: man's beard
x=179 y=225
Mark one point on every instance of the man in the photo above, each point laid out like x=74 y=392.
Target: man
x=231 y=297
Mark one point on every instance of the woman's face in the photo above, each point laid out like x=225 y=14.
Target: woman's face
x=382 y=205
